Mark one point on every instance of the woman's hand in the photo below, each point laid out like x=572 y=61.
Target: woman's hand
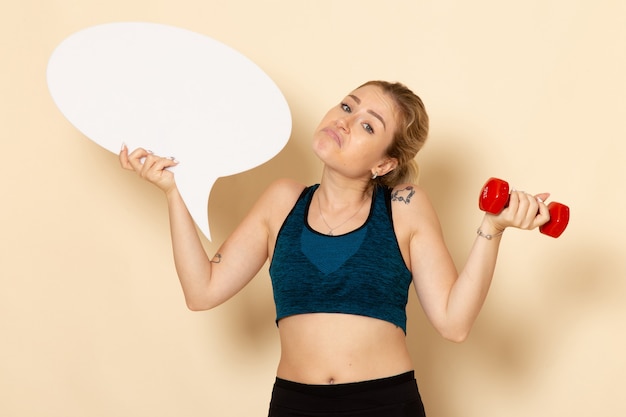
x=150 y=167
x=524 y=211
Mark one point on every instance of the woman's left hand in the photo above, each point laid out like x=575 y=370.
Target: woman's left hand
x=524 y=211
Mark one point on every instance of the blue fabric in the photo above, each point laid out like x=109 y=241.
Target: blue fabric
x=361 y=272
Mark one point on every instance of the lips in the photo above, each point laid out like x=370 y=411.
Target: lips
x=333 y=135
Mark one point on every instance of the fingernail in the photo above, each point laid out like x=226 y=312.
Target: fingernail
x=171 y=158
x=540 y=200
x=150 y=152
x=123 y=145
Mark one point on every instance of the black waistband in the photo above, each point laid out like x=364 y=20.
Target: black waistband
x=347 y=388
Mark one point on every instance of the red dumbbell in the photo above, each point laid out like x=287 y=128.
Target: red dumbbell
x=494 y=197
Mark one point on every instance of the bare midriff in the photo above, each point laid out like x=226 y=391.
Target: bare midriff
x=325 y=348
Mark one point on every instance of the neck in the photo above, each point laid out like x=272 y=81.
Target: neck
x=339 y=192
x=340 y=210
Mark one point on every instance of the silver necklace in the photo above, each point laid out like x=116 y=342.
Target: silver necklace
x=330 y=232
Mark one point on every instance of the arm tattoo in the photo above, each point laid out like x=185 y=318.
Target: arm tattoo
x=403 y=195
x=217 y=258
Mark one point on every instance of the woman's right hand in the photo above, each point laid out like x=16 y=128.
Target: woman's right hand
x=150 y=167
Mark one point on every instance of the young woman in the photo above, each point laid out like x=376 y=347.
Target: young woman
x=342 y=255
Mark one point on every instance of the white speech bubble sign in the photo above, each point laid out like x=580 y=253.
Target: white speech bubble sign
x=175 y=92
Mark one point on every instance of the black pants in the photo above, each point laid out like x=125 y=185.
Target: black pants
x=396 y=396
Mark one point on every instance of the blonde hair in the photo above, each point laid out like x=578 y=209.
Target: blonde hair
x=410 y=136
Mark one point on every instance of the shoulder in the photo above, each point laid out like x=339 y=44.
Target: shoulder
x=408 y=197
x=411 y=207
x=284 y=190
x=278 y=199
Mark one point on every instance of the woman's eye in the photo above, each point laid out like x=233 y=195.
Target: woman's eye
x=368 y=128
x=346 y=108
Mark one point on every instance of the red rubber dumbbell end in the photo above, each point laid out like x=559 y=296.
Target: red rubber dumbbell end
x=559 y=218
x=494 y=197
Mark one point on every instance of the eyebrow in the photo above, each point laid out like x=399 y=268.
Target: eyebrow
x=372 y=112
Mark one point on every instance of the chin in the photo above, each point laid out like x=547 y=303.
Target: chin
x=322 y=152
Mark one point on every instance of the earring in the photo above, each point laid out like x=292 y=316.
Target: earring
x=375 y=175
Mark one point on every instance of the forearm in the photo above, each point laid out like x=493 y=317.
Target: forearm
x=452 y=301
x=192 y=263
x=469 y=291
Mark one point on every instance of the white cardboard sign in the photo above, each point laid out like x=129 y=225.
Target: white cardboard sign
x=174 y=92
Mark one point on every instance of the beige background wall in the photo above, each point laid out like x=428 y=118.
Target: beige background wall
x=92 y=320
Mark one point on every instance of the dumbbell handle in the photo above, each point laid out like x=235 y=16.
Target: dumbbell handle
x=494 y=197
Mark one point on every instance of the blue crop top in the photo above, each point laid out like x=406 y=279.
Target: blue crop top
x=361 y=272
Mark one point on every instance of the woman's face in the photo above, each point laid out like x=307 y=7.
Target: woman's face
x=354 y=135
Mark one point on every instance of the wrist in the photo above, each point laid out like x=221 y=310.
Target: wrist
x=172 y=193
x=489 y=231
x=488 y=236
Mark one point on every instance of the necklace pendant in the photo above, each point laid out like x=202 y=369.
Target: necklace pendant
x=330 y=231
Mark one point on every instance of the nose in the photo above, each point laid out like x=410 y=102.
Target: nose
x=343 y=123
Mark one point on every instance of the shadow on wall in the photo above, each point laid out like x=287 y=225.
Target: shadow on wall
x=521 y=332
x=444 y=163
x=541 y=330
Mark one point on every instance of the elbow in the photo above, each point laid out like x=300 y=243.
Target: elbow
x=198 y=304
x=200 y=299
x=196 y=307
x=456 y=338
x=455 y=335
